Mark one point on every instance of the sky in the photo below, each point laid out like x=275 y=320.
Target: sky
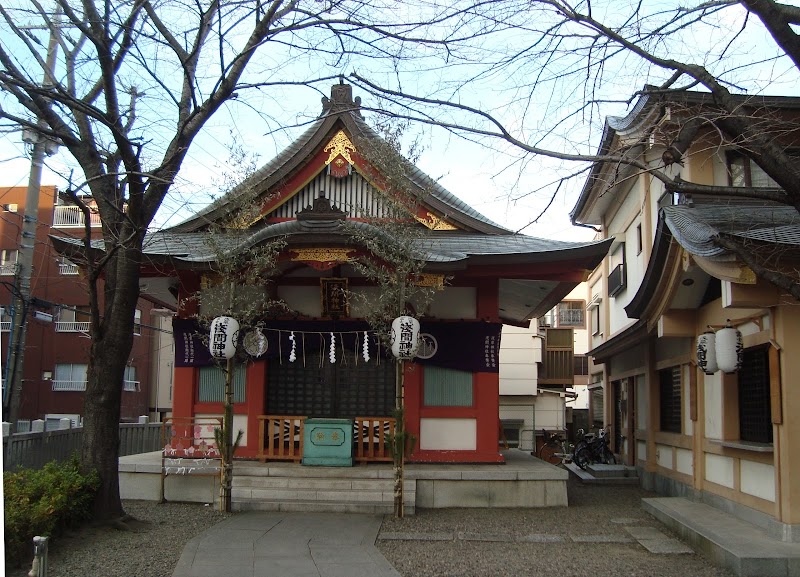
x=470 y=171
x=488 y=175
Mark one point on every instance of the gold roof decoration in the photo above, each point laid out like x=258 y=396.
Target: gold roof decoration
x=433 y=222
x=435 y=281
x=340 y=145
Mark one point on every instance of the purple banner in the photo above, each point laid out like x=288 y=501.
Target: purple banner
x=466 y=346
x=189 y=349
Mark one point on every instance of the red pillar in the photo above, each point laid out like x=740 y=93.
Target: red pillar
x=487 y=404
x=412 y=382
x=256 y=399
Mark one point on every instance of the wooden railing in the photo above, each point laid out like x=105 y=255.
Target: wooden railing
x=369 y=438
x=280 y=438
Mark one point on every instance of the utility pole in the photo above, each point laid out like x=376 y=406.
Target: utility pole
x=41 y=146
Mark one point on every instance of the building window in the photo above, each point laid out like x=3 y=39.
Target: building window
x=69 y=377
x=670 y=396
x=639 y=243
x=617 y=280
x=755 y=414
x=137 y=322
x=580 y=364
x=596 y=407
x=8 y=262
x=211 y=384
x=130 y=383
x=595 y=319
x=73 y=320
x=447 y=387
x=742 y=171
x=571 y=314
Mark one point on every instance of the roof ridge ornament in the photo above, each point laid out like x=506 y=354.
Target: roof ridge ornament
x=341 y=100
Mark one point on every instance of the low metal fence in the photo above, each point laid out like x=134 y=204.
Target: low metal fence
x=34 y=450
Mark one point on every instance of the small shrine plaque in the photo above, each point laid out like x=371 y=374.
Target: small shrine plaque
x=334 y=297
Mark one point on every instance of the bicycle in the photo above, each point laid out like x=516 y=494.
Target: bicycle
x=555 y=449
x=594 y=449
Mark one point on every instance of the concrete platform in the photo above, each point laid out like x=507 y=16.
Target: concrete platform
x=728 y=541
x=523 y=481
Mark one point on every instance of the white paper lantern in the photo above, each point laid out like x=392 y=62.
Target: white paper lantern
x=707 y=352
x=405 y=337
x=729 y=349
x=222 y=340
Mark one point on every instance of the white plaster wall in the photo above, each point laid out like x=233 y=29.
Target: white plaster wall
x=582 y=400
x=519 y=407
x=664 y=456
x=303 y=299
x=719 y=470
x=550 y=412
x=684 y=462
x=712 y=399
x=448 y=434
x=454 y=303
x=239 y=423
x=623 y=228
x=641 y=450
x=757 y=479
x=518 y=369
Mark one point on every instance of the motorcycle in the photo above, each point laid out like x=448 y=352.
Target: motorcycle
x=594 y=449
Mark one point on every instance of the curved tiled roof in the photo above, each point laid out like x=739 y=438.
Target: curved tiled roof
x=341 y=109
x=439 y=247
x=695 y=227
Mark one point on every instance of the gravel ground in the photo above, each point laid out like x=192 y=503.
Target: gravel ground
x=593 y=511
x=153 y=546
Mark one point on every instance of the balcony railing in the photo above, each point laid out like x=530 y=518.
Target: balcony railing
x=72 y=327
x=68 y=216
x=570 y=317
x=69 y=385
x=130 y=386
x=5 y=326
x=67 y=268
x=8 y=269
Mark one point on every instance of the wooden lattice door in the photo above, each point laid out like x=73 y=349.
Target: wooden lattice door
x=315 y=387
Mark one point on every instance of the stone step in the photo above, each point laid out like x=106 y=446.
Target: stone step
x=737 y=545
x=604 y=471
x=588 y=478
x=292 y=470
x=329 y=489
x=322 y=483
x=319 y=506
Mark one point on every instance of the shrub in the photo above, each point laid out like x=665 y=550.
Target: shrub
x=44 y=502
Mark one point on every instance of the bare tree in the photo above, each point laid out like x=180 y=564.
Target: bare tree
x=562 y=65
x=134 y=84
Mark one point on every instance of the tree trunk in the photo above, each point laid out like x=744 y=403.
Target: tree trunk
x=112 y=340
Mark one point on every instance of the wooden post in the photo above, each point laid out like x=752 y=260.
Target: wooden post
x=227 y=434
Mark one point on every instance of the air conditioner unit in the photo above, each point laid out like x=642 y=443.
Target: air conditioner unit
x=617 y=280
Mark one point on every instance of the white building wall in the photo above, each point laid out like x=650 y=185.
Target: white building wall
x=161 y=368
x=518 y=368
